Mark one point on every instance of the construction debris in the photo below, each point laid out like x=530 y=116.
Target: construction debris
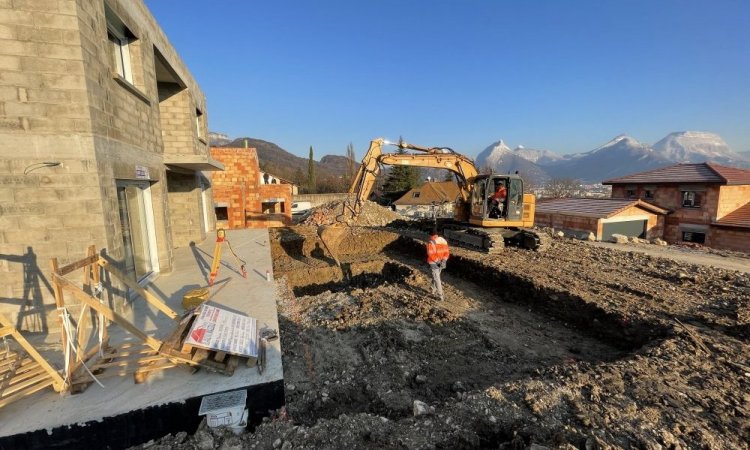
x=527 y=351
x=372 y=215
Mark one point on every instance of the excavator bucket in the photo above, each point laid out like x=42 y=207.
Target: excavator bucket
x=331 y=236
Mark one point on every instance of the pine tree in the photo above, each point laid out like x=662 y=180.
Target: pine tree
x=311 y=183
x=299 y=177
x=401 y=178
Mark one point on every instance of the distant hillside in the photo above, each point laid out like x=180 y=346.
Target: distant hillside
x=331 y=171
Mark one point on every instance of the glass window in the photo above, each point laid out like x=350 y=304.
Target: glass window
x=477 y=198
x=649 y=194
x=630 y=193
x=692 y=236
x=691 y=199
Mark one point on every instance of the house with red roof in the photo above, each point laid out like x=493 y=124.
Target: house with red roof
x=708 y=203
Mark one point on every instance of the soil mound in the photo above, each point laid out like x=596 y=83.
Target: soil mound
x=372 y=215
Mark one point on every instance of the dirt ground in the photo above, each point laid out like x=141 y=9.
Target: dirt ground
x=578 y=347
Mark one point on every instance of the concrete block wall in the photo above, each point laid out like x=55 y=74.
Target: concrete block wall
x=186 y=209
x=45 y=212
x=59 y=101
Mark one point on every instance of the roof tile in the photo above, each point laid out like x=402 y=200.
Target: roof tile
x=740 y=217
x=592 y=207
x=678 y=173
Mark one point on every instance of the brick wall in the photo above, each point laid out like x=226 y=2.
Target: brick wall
x=737 y=239
x=238 y=183
x=669 y=196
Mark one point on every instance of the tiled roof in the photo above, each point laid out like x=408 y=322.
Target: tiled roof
x=732 y=175
x=737 y=218
x=592 y=207
x=678 y=173
x=442 y=191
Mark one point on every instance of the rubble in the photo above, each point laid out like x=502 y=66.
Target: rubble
x=332 y=212
x=527 y=351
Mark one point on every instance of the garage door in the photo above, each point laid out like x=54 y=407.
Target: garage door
x=628 y=228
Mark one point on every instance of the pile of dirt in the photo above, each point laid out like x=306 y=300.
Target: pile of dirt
x=578 y=347
x=372 y=215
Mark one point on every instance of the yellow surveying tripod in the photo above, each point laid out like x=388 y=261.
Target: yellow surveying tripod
x=220 y=238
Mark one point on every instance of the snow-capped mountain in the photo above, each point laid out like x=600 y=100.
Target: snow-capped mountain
x=697 y=146
x=537 y=156
x=501 y=159
x=620 y=156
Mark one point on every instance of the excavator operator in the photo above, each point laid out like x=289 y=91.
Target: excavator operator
x=497 y=201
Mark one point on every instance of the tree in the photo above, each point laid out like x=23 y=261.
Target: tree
x=401 y=178
x=562 y=187
x=311 y=183
x=351 y=161
x=448 y=176
x=299 y=177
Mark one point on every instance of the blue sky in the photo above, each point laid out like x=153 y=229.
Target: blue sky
x=566 y=76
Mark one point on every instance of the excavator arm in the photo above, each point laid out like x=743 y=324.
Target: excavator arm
x=430 y=157
x=364 y=181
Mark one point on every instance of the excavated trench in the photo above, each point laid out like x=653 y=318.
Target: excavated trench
x=368 y=337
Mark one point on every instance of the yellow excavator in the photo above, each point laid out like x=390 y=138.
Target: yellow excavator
x=479 y=222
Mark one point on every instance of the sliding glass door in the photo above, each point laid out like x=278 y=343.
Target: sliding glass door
x=136 y=223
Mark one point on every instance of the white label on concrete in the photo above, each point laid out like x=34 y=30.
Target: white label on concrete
x=222 y=330
x=141 y=173
x=218 y=403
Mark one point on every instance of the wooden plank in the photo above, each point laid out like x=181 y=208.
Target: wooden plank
x=59 y=382
x=149 y=297
x=30 y=390
x=107 y=312
x=219 y=356
x=15 y=387
x=5 y=331
x=87 y=261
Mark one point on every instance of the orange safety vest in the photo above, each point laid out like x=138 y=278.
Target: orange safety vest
x=437 y=250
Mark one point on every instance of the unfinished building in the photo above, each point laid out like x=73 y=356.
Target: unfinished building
x=103 y=142
x=247 y=197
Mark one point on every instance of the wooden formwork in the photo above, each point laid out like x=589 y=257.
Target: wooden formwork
x=24 y=371
x=142 y=356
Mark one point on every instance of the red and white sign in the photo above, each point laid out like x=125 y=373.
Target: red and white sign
x=222 y=330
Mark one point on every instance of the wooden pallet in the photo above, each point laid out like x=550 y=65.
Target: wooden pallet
x=23 y=372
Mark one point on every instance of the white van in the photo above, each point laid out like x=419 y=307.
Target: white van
x=299 y=208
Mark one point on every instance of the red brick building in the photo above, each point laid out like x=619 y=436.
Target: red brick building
x=245 y=197
x=709 y=203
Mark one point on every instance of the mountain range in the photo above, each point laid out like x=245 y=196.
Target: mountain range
x=620 y=156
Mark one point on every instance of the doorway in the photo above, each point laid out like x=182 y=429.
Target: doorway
x=137 y=226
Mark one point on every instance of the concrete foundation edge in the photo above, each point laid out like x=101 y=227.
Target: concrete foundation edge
x=139 y=426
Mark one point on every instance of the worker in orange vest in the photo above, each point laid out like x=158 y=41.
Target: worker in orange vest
x=437 y=256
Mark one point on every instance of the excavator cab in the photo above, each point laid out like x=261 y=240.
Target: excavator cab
x=489 y=205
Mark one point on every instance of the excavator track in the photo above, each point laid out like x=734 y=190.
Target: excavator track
x=494 y=240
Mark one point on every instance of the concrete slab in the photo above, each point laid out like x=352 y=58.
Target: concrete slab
x=120 y=397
